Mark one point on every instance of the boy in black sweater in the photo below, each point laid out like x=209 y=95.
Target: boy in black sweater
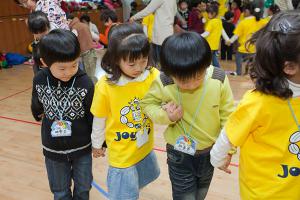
x=226 y=51
x=61 y=97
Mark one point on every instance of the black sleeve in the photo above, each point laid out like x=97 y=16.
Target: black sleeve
x=36 y=106
x=88 y=102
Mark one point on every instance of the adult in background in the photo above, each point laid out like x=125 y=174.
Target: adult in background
x=164 y=14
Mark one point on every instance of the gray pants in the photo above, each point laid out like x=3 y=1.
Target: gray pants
x=126 y=9
x=89 y=60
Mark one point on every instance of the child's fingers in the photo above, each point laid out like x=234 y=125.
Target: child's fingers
x=226 y=170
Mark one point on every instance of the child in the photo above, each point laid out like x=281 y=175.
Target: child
x=197 y=101
x=133 y=10
x=38 y=25
x=266 y=123
x=235 y=9
x=93 y=28
x=213 y=32
x=245 y=29
x=88 y=54
x=184 y=13
x=226 y=51
x=61 y=97
x=119 y=118
x=56 y=16
x=109 y=18
x=196 y=19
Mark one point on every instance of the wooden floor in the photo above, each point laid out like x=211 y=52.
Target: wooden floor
x=22 y=170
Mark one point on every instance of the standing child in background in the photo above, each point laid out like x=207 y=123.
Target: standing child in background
x=109 y=18
x=194 y=99
x=133 y=10
x=184 y=13
x=61 y=97
x=226 y=51
x=196 y=19
x=236 y=10
x=213 y=32
x=88 y=54
x=38 y=25
x=56 y=16
x=93 y=28
x=119 y=119
x=243 y=32
x=266 y=123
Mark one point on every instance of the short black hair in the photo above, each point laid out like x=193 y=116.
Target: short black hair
x=276 y=43
x=108 y=14
x=185 y=55
x=126 y=41
x=274 y=9
x=228 y=15
x=38 y=22
x=213 y=9
x=70 y=16
x=85 y=17
x=59 y=46
x=255 y=11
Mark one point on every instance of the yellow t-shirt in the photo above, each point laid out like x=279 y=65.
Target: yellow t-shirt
x=222 y=8
x=119 y=104
x=214 y=27
x=244 y=30
x=264 y=128
x=148 y=22
x=205 y=16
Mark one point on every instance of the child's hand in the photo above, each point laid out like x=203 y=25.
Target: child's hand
x=175 y=112
x=226 y=164
x=98 y=152
x=228 y=43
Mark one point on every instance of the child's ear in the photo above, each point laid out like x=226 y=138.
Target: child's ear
x=290 y=68
x=43 y=63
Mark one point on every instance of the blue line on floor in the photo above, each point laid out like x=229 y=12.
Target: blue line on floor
x=95 y=185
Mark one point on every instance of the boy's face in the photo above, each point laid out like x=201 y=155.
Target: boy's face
x=135 y=68
x=202 y=6
x=190 y=84
x=64 y=71
x=108 y=22
x=183 y=6
x=211 y=15
x=234 y=5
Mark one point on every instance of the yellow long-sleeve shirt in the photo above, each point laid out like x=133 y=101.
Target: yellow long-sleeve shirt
x=215 y=108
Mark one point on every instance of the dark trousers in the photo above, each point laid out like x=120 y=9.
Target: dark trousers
x=226 y=51
x=155 y=55
x=190 y=175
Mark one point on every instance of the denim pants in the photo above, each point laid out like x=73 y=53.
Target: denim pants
x=239 y=58
x=60 y=175
x=190 y=175
x=125 y=183
x=215 y=61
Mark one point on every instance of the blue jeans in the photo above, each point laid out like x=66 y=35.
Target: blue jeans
x=239 y=58
x=60 y=175
x=125 y=183
x=215 y=61
x=190 y=175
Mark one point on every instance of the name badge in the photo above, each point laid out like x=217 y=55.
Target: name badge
x=61 y=128
x=186 y=145
x=142 y=138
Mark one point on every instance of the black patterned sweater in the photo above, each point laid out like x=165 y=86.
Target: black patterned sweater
x=60 y=100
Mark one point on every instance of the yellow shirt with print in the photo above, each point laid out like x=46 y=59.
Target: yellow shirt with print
x=244 y=30
x=124 y=118
x=214 y=27
x=264 y=128
x=148 y=22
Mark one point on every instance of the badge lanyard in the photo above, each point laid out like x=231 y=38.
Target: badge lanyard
x=197 y=110
x=59 y=102
x=294 y=115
